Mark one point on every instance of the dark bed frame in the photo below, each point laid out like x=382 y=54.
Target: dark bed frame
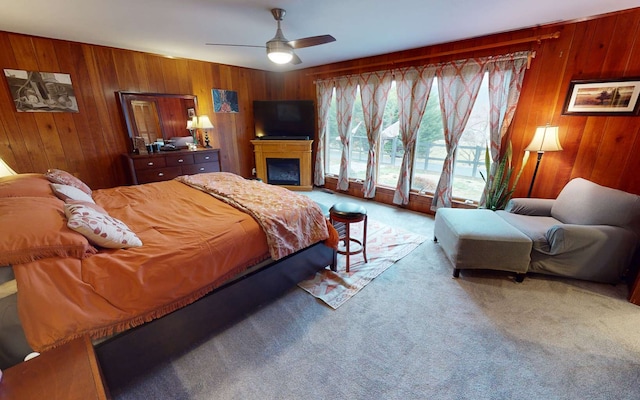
x=136 y=352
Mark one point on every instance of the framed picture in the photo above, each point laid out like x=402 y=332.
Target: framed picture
x=34 y=91
x=224 y=101
x=191 y=112
x=603 y=97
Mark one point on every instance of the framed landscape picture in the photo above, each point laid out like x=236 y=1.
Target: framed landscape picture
x=603 y=97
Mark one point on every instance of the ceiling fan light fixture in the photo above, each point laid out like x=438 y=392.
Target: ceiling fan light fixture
x=279 y=52
x=280 y=57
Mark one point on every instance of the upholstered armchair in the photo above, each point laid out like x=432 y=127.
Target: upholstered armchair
x=588 y=232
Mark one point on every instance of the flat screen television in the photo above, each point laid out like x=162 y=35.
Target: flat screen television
x=284 y=119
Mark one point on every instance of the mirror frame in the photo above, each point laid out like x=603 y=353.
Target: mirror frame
x=125 y=98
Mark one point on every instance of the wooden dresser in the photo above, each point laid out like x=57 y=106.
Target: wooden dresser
x=167 y=165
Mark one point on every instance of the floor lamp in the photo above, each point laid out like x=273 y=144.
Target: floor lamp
x=545 y=139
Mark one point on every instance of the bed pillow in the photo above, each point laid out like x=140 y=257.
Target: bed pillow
x=65 y=178
x=33 y=228
x=25 y=185
x=67 y=193
x=99 y=228
x=88 y=204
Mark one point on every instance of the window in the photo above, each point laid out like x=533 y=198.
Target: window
x=430 y=146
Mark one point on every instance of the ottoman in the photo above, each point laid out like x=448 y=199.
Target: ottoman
x=480 y=239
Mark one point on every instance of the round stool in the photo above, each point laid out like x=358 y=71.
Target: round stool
x=342 y=215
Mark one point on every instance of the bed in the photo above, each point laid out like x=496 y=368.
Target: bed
x=146 y=271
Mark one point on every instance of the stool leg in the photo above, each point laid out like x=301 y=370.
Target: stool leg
x=347 y=243
x=364 y=240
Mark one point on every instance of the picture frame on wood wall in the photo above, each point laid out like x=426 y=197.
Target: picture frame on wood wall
x=34 y=91
x=225 y=101
x=604 y=97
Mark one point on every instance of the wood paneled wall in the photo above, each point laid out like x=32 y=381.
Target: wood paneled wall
x=89 y=143
x=602 y=149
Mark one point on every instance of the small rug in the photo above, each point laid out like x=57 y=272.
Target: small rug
x=385 y=246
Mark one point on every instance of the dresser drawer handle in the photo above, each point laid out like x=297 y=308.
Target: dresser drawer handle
x=206 y=157
x=160 y=174
x=150 y=163
x=180 y=160
x=201 y=168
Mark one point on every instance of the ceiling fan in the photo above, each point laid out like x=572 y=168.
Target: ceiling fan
x=280 y=49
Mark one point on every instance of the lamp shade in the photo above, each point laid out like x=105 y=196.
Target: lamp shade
x=545 y=139
x=189 y=124
x=6 y=170
x=204 y=122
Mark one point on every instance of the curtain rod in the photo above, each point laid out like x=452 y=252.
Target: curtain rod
x=538 y=39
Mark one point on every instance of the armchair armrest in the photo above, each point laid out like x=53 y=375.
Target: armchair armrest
x=567 y=238
x=526 y=206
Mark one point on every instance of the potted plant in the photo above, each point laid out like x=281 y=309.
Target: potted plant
x=496 y=190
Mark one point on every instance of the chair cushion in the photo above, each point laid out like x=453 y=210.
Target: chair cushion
x=348 y=210
x=535 y=227
x=583 y=202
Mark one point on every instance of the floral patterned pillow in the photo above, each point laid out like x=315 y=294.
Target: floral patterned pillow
x=65 y=178
x=100 y=229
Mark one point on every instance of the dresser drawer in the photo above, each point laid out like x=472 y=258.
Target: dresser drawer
x=149 y=162
x=168 y=165
x=179 y=159
x=158 y=174
x=201 y=168
x=205 y=157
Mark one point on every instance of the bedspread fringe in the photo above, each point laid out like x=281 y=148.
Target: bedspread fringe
x=102 y=332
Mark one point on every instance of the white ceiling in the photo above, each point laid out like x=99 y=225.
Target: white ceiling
x=180 y=28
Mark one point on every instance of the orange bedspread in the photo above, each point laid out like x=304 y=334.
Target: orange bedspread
x=192 y=243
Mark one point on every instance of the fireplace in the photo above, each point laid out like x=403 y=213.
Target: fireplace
x=283 y=171
x=286 y=163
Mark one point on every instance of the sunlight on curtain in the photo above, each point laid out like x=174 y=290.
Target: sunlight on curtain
x=458 y=85
x=374 y=91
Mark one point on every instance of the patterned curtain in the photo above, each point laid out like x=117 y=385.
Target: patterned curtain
x=374 y=90
x=324 y=93
x=413 y=86
x=345 y=97
x=458 y=85
x=505 y=84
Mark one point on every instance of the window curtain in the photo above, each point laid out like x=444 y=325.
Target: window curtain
x=458 y=84
x=345 y=97
x=505 y=84
x=374 y=91
x=324 y=94
x=413 y=86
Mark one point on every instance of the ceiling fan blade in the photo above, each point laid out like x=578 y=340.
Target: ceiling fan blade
x=234 y=45
x=295 y=60
x=311 y=41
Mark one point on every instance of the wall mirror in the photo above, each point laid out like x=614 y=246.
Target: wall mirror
x=151 y=117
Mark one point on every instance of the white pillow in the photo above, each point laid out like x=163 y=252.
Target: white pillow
x=100 y=229
x=66 y=192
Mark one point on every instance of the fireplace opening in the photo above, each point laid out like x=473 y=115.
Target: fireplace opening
x=283 y=171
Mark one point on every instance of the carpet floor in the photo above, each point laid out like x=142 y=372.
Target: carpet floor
x=385 y=246
x=418 y=333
